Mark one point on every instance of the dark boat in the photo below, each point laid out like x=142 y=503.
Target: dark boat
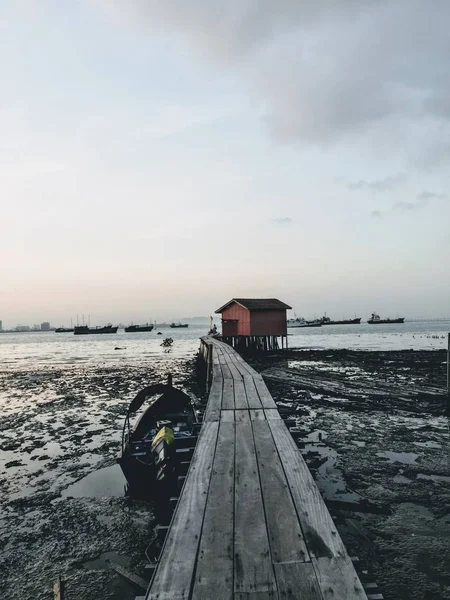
x=176 y=325
x=327 y=321
x=86 y=330
x=375 y=320
x=151 y=449
x=64 y=330
x=138 y=328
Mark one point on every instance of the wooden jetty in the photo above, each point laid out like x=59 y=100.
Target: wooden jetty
x=250 y=523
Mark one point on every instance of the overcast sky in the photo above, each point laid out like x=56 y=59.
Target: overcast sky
x=158 y=158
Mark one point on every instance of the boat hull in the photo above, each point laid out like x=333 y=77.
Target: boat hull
x=156 y=447
x=343 y=322
x=95 y=331
x=138 y=328
x=386 y=321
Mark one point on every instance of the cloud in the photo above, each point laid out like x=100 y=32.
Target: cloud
x=431 y=196
x=321 y=71
x=381 y=185
x=406 y=206
x=402 y=206
x=282 y=220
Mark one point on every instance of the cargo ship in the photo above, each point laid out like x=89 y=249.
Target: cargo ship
x=177 y=325
x=139 y=328
x=86 y=330
x=302 y=323
x=375 y=320
x=327 y=321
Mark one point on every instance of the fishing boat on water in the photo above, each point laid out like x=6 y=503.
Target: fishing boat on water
x=139 y=328
x=376 y=320
x=86 y=330
x=152 y=449
x=64 y=330
x=177 y=325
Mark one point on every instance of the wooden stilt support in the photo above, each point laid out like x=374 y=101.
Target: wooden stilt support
x=58 y=589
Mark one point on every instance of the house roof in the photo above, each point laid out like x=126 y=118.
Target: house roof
x=253 y=304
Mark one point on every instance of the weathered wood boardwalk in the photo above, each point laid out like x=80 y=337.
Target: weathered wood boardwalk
x=250 y=522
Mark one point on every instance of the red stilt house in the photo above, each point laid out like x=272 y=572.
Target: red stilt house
x=254 y=322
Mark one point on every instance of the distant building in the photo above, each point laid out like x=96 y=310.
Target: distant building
x=45 y=326
x=1 y=325
x=22 y=328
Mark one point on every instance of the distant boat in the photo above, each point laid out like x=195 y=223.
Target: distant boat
x=64 y=330
x=177 y=325
x=327 y=321
x=86 y=330
x=302 y=323
x=375 y=320
x=139 y=328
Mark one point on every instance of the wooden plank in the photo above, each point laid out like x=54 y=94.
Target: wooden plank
x=298 y=581
x=271 y=413
x=240 y=397
x=214 y=572
x=239 y=362
x=242 y=416
x=256 y=596
x=266 y=399
x=226 y=373
x=257 y=414
x=128 y=575
x=175 y=570
x=252 y=394
x=227 y=416
x=338 y=579
x=253 y=570
x=319 y=530
x=228 y=395
x=285 y=534
x=233 y=370
x=221 y=357
x=214 y=401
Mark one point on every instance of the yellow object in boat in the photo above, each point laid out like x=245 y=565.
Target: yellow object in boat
x=166 y=434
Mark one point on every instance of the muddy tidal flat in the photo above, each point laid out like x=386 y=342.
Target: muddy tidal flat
x=371 y=425
x=63 y=505
x=373 y=429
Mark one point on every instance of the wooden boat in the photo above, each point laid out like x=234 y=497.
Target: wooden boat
x=151 y=449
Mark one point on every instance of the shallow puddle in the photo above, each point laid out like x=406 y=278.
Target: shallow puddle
x=106 y=482
x=406 y=458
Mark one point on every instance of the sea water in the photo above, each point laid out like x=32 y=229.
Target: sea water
x=45 y=349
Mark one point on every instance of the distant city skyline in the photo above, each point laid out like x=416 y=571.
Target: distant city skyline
x=164 y=160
